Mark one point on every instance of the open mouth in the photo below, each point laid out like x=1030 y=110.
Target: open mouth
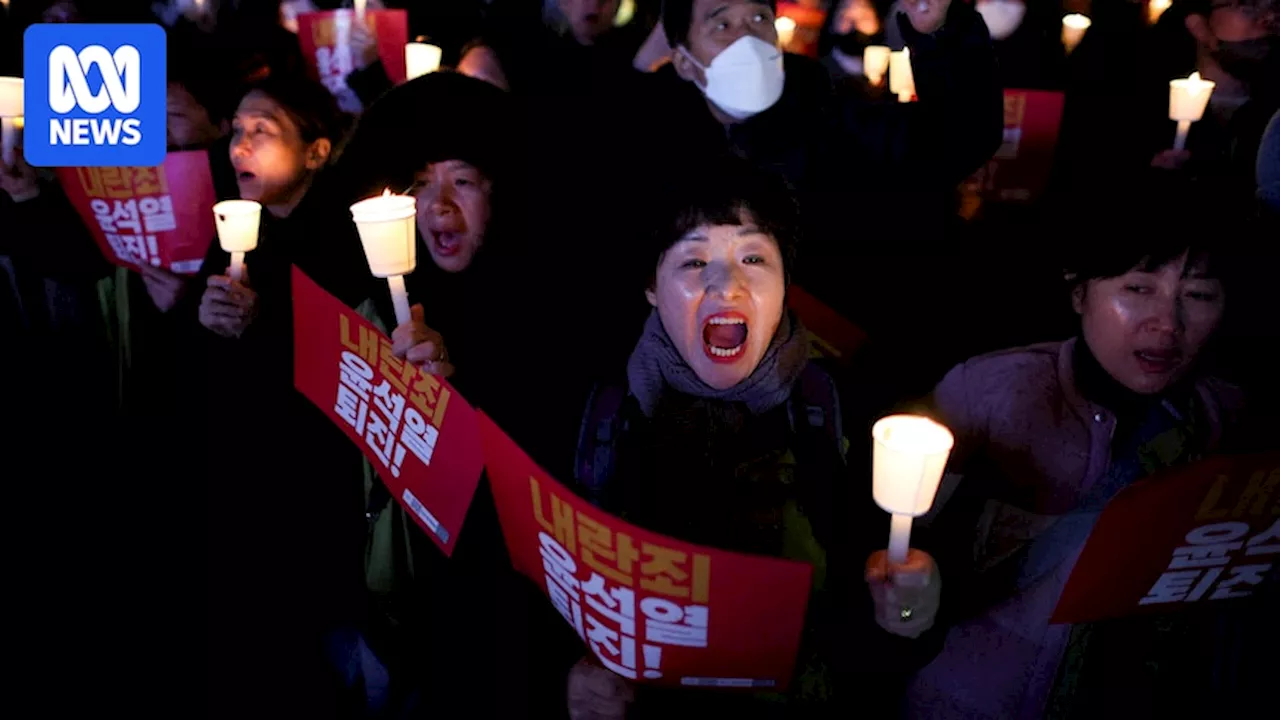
x=446 y=244
x=245 y=176
x=1158 y=361
x=724 y=336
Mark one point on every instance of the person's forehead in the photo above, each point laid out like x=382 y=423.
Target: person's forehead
x=708 y=9
x=259 y=105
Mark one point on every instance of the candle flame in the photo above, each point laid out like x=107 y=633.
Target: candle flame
x=784 y=24
x=386 y=192
x=1195 y=77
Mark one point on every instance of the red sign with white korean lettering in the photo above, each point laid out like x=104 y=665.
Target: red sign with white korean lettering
x=160 y=216
x=418 y=432
x=1206 y=532
x=650 y=607
x=1019 y=170
x=325 y=38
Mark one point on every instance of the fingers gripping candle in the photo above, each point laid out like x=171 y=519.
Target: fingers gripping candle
x=386 y=227
x=237 y=222
x=909 y=456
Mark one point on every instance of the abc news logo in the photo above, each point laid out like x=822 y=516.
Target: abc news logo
x=95 y=95
x=69 y=90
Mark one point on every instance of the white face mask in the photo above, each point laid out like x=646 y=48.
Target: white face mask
x=746 y=78
x=1002 y=16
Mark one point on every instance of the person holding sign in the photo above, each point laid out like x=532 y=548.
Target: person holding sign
x=727 y=435
x=446 y=140
x=1045 y=437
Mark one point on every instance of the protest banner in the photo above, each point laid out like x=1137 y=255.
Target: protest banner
x=833 y=336
x=419 y=433
x=325 y=38
x=1197 y=534
x=651 y=608
x=160 y=216
x=1019 y=170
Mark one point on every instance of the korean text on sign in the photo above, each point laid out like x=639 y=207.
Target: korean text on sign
x=626 y=600
x=130 y=205
x=1203 y=568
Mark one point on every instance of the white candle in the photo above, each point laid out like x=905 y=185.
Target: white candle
x=1156 y=8
x=1188 y=98
x=901 y=80
x=875 y=62
x=786 y=28
x=908 y=459
x=1073 y=29
x=386 y=227
x=421 y=58
x=11 y=110
x=237 y=222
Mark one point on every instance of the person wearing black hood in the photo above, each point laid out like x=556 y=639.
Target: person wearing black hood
x=851 y=27
x=449 y=140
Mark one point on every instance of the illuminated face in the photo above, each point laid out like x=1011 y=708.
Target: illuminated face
x=857 y=15
x=453 y=212
x=1146 y=328
x=271 y=160
x=719 y=292
x=717 y=24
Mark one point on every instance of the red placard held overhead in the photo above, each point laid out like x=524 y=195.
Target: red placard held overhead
x=1195 y=535
x=650 y=607
x=419 y=433
x=325 y=38
x=160 y=216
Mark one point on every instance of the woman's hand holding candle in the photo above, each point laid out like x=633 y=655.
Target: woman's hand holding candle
x=421 y=346
x=228 y=307
x=906 y=596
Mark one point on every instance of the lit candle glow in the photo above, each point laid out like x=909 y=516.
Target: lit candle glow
x=11 y=110
x=1073 y=29
x=908 y=460
x=902 y=81
x=1188 y=98
x=421 y=58
x=386 y=227
x=786 y=28
x=875 y=63
x=1156 y=8
x=237 y=222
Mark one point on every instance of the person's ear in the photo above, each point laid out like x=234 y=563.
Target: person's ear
x=686 y=68
x=318 y=153
x=1198 y=26
x=652 y=297
x=1077 y=298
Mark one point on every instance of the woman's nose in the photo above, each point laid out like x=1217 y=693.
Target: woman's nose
x=726 y=280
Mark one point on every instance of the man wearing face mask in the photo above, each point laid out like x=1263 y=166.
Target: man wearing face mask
x=1238 y=48
x=856 y=164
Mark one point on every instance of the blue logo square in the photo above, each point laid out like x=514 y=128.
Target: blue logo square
x=94 y=95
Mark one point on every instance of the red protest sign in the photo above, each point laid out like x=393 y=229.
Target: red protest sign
x=160 y=216
x=651 y=608
x=1019 y=171
x=419 y=433
x=833 y=336
x=325 y=38
x=1206 y=532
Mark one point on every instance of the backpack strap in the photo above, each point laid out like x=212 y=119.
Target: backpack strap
x=596 y=455
x=815 y=409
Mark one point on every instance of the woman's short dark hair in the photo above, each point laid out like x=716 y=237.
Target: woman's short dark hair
x=309 y=104
x=727 y=191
